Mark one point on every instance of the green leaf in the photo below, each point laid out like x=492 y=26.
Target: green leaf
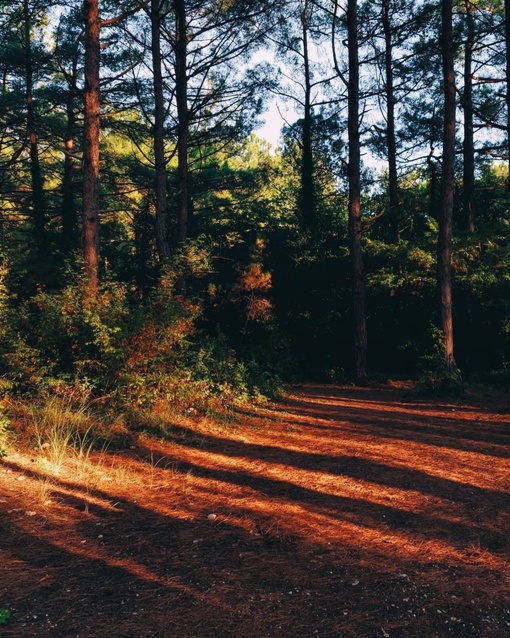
x=5 y=614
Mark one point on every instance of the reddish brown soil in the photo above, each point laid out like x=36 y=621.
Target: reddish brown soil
x=338 y=513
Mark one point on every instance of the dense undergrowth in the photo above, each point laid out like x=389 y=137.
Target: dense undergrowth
x=78 y=372
x=143 y=357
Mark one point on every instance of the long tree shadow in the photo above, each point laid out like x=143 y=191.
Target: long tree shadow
x=359 y=511
x=404 y=398
x=131 y=571
x=489 y=437
x=349 y=466
x=365 y=513
x=288 y=553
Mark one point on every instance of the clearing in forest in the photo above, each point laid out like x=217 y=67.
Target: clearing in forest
x=339 y=512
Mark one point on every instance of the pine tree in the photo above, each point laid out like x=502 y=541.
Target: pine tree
x=444 y=250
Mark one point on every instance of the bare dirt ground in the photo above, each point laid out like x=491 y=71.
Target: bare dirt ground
x=340 y=512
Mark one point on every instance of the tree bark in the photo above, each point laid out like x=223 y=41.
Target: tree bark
x=162 y=243
x=36 y=178
x=181 y=89
x=507 y=77
x=91 y=128
x=468 y=143
x=444 y=251
x=391 y=144
x=354 y=212
x=69 y=208
x=307 y=198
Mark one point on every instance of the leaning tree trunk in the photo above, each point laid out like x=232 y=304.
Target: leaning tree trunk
x=444 y=250
x=358 y=283
x=162 y=243
x=91 y=127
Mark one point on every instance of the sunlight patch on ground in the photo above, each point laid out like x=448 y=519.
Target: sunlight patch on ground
x=283 y=505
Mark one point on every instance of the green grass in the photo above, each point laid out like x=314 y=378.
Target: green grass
x=62 y=428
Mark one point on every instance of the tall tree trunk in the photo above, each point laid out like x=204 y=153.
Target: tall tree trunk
x=307 y=195
x=162 y=243
x=467 y=105
x=181 y=89
x=507 y=76
x=391 y=144
x=358 y=282
x=444 y=250
x=91 y=129
x=37 y=184
x=69 y=208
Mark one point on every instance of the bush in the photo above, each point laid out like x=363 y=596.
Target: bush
x=80 y=338
x=4 y=432
x=143 y=353
x=435 y=378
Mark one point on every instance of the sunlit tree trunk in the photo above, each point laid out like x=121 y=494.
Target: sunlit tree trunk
x=91 y=128
x=467 y=105
x=162 y=243
x=444 y=251
x=358 y=283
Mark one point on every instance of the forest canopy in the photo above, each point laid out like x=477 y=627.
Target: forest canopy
x=153 y=248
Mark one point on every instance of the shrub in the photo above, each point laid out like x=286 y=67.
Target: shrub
x=4 y=432
x=79 y=337
x=435 y=378
x=144 y=353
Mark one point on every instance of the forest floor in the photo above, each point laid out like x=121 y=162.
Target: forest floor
x=339 y=512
